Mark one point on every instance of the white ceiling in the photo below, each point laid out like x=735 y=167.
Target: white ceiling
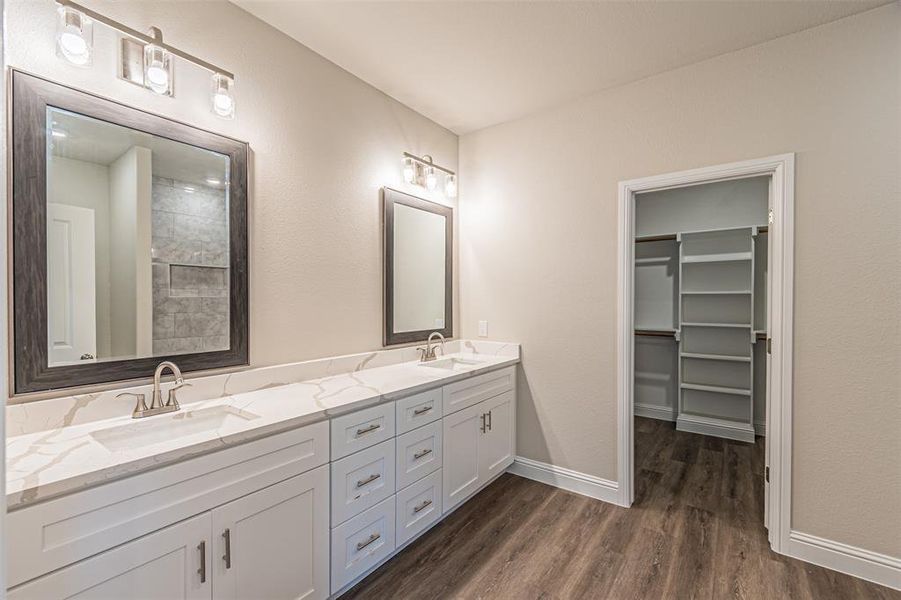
x=469 y=65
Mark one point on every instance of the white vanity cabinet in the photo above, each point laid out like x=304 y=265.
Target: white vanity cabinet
x=305 y=513
x=159 y=534
x=479 y=440
x=270 y=544
x=173 y=563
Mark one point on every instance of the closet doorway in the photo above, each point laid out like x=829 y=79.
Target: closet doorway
x=705 y=297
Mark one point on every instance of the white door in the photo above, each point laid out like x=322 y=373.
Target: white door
x=461 y=434
x=170 y=564
x=496 y=446
x=274 y=543
x=71 y=302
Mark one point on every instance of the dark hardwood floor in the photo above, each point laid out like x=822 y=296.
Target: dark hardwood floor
x=695 y=531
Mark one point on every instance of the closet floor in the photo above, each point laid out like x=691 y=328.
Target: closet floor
x=694 y=531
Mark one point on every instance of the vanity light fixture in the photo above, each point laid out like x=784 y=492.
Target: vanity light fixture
x=422 y=170
x=158 y=70
x=409 y=170
x=223 y=100
x=450 y=186
x=145 y=60
x=74 y=36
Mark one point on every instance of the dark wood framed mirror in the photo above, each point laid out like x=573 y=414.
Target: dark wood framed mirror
x=418 y=267
x=129 y=241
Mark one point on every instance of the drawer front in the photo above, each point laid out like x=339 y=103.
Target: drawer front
x=418 y=453
x=362 y=542
x=361 y=481
x=362 y=429
x=61 y=531
x=418 y=506
x=418 y=410
x=471 y=391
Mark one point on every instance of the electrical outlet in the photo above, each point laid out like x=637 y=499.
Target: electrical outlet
x=483 y=328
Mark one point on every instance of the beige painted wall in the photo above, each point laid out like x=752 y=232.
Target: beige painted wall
x=538 y=251
x=322 y=145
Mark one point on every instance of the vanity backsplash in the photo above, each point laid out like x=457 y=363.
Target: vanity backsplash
x=54 y=413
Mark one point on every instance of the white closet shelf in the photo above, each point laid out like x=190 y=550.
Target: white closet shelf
x=722 y=325
x=726 y=357
x=716 y=388
x=727 y=257
x=717 y=421
x=716 y=293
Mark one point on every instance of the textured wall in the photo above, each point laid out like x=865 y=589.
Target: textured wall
x=322 y=145
x=538 y=251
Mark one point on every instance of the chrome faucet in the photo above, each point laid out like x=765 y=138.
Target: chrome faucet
x=427 y=353
x=156 y=402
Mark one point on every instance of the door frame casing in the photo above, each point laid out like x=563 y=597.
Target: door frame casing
x=780 y=168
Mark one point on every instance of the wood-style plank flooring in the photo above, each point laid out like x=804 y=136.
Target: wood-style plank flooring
x=695 y=531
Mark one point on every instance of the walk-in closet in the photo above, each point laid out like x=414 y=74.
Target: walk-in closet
x=700 y=308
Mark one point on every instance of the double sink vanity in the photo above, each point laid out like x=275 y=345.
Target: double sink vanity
x=292 y=490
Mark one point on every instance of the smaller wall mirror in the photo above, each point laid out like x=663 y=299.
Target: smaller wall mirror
x=418 y=242
x=129 y=241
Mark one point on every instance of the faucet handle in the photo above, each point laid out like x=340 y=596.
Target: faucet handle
x=140 y=404
x=171 y=398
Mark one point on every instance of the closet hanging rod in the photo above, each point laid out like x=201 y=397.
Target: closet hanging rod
x=655 y=333
x=655 y=238
x=672 y=236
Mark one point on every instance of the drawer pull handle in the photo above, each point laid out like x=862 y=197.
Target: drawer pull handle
x=482 y=427
x=372 y=538
x=366 y=430
x=202 y=570
x=227 y=557
x=368 y=480
x=421 y=453
x=421 y=411
x=489 y=420
x=425 y=504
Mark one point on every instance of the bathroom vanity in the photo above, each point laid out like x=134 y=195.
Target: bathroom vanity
x=291 y=491
x=293 y=481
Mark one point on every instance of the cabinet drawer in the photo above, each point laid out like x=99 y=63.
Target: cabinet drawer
x=52 y=534
x=418 y=453
x=471 y=391
x=418 y=410
x=362 y=542
x=362 y=429
x=361 y=481
x=418 y=506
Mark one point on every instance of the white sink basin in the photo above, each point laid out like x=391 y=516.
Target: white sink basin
x=169 y=427
x=453 y=364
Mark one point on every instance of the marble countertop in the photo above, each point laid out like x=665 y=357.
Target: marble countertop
x=46 y=464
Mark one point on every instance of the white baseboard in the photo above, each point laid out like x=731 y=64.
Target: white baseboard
x=566 y=479
x=872 y=566
x=662 y=413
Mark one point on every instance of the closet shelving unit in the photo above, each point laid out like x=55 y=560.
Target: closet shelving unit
x=715 y=332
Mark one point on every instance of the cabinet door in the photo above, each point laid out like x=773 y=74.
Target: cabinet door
x=170 y=564
x=462 y=431
x=274 y=542
x=497 y=446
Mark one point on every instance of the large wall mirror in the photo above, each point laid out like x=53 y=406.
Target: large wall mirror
x=129 y=241
x=418 y=241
